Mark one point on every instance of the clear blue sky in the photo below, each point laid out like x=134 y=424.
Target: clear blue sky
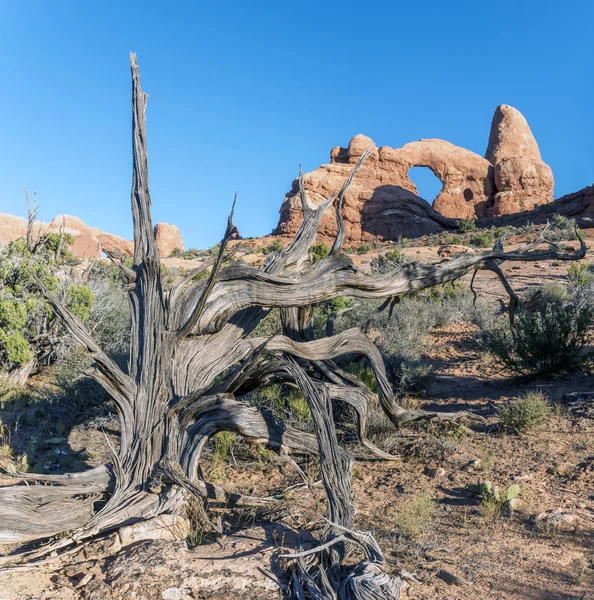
x=242 y=92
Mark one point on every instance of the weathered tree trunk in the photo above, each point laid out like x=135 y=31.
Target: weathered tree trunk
x=191 y=362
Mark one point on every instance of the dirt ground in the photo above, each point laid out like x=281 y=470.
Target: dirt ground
x=501 y=555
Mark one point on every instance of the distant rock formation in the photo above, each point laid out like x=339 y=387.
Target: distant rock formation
x=384 y=203
x=522 y=179
x=89 y=242
x=168 y=239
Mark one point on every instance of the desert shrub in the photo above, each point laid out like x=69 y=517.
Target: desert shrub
x=530 y=411
x=413 y=376
x=416 y=515
x=223 y=442
x=318 y=252
x=364 y=249
x=467 y=225
x=109 y=317
x=484 y=239
x=455 y=240
x=547 y=340
x=275 y=246
x=390 y=261
x=189 y=254
x=564 y=229
x=580 y=273
x=365 y=374
x=433 y=448
x=402 y=338
x=28 y=327
x=79 y=299
x=285 y=403
x=500 y=231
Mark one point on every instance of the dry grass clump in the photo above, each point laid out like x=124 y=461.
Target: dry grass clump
x=415 y=517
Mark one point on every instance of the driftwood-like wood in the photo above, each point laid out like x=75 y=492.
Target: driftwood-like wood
x=192 y=365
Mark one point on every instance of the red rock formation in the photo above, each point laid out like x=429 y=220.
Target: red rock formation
x=88 y=241
x=522 y=179
x=383 y=202
x=577 y=205
x=168 y=239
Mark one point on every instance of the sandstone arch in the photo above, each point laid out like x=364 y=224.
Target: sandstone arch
x=384 y=202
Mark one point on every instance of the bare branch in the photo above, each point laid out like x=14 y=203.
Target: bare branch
x=113 y=379
x=339 y=240
x=197 y=313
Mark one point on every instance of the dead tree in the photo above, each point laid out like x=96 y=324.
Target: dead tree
x=191 y=364
x=31 y=216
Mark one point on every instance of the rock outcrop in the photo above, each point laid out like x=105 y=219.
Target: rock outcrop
x=577 y=205
x=89 y=242
x=384 y=203
x=522 y=179
x=168 y=239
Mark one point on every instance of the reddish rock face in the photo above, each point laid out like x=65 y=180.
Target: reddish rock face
x=89 y=242
x=522 y=180
x=168 y=239
x=384 y=203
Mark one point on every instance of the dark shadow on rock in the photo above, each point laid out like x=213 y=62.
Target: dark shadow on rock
x=394 y=212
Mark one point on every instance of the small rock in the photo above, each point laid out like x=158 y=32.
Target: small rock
x=175 y=594
x=554 y=521
x=449 y=250
x=435 y=472
x=85 y=580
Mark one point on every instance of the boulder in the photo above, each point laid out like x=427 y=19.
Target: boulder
x=168 y=239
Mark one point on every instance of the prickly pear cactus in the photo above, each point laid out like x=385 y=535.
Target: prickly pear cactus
x=513 y=491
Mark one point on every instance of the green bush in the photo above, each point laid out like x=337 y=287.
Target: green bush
x=531 y=411
x=15 y=348
x=318 y=252
x=390 y=261
x=580 y=273
x=484 y=239
x=79 y=299
x=413 y=376
x=275 y=246
x=454 y=240
x=189 y=254
x=547 y=340
x=364 y=249
x=223 y=443
x=467 y=225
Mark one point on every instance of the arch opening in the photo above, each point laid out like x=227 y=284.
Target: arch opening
x=428 y=185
